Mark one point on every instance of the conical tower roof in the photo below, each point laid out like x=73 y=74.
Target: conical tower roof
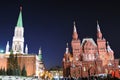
x=75 y=35
x=20 y=22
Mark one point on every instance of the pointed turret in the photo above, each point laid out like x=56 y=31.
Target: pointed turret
x=75 y=30
x=110 y=51
x=98 y=27
x=20 y=22
x=67 y=49
x=26 y=49
x=40 y=54
x=75 y=43
x=40 y=51
x=99 y=34
x=109 y=48
x=75 y=35
x=7 y=47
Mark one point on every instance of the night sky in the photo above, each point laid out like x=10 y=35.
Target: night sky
x=49 y=24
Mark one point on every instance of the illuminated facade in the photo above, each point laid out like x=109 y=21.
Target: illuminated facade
x=40 y=68
x=24 y=59
x=88 y=58
x=57 y=74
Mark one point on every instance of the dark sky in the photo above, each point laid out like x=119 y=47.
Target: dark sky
x=49 y=24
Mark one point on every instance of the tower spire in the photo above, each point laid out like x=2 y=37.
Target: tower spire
x=26 y=49
x=20 y=22
x=109 y=48
x=40 y=54
x=18 y=38
x=7 y=47
x=99 y=34
x=67 y=49
x=75 y=35
x=40 y=51
x=75 y=30
x=98 y=27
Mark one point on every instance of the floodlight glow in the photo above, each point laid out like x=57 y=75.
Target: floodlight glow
x=1 y=51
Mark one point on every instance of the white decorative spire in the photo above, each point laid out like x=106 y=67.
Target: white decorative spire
x=75 y=30
x=26 y=49
x=98 y=27
x=67 y=49
x=7 y=47
x=40 y=51
x=109 y=48
x=75 y=35
x=99 y=34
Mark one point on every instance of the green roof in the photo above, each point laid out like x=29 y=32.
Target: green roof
x=19 y=22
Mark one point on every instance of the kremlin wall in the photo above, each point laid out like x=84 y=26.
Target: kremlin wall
x=23 y=60
x=87 y=57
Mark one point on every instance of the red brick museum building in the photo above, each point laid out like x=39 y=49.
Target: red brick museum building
x=88 y=58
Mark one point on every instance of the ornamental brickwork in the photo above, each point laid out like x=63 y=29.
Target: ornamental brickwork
x=88 y=58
